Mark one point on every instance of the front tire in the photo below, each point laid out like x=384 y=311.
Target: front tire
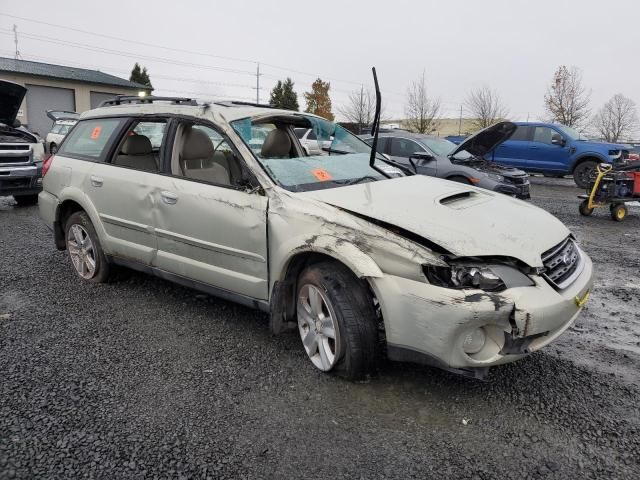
x=85 y=251
x=336 y=321
x=26 y=200
x=584 y=208
x=584 y=172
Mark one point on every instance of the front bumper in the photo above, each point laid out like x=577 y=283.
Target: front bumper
x=20 y=180
x=429 y=324
x=521 y=190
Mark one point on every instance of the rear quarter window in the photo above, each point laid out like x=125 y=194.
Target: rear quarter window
x=89 y=138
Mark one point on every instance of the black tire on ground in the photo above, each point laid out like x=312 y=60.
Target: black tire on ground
x=102 y=269
x=26 y=200
x=53 y=148
x=460 y=179
x=357 y=322
x=584 y=208
x=583 y=173
x=618 y=211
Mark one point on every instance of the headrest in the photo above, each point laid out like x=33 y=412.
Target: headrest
x=277 y=144
x=136 y=145
x=196 y=144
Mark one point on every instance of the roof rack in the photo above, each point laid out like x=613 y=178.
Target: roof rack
x=122 y=99
x=235 y=103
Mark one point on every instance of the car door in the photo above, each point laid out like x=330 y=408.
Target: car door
x=209 y=228
x=515 y=151
x=548 y=151
x=401 y=149
x=124 y=189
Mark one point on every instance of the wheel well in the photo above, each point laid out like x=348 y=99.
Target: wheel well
x=585 y=159
x=283 y=298
x=65 y=210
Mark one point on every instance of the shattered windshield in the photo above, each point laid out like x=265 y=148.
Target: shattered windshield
x=339 y=158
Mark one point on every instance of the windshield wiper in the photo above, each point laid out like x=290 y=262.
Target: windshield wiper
x=353 y=181
x=332 y=150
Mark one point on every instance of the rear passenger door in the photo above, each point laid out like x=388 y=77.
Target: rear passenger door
x=124 y=189
x=210 y=226
x=515 y=151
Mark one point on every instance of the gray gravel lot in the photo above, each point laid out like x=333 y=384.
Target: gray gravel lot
x=144 y=379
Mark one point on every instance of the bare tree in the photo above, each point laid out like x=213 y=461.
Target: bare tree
x=360 y=108
x=566 y=100
x=421 y=109
x=485 y=106
x=616 y=119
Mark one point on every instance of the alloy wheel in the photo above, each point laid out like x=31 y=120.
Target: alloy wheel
x=318 y=327
x=81 y=251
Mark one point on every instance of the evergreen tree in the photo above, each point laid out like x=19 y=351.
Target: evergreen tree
x=318 y=100
x=283 y=96
x=140 y=75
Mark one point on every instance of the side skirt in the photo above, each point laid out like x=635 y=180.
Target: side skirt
x=251 y=302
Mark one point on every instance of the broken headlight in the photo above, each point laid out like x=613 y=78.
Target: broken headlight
x=492 y=278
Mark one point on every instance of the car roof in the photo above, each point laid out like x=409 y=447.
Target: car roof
x=227 y=110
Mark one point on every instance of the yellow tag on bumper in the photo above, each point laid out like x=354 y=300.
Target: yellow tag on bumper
x=581 y=301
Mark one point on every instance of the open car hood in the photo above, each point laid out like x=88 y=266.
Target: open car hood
x=56 y=115
x=464 y=220
x=486 y=140
x=11 y=95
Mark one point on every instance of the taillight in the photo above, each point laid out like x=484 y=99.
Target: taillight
x=46 y=165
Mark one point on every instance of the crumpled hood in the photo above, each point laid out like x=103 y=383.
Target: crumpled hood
x=11 y=95
x=466 y=221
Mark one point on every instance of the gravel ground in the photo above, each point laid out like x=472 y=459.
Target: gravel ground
x=145 y=379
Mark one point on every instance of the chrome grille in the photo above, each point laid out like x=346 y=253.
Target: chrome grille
x=562 y=264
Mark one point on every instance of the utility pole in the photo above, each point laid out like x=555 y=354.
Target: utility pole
x=258 y=84
x=15 y=40
x=460 y=121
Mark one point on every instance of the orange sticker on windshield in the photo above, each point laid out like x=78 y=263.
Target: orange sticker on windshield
x=321 y=174
x=95 y=134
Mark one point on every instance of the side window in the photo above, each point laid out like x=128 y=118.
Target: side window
x=312 y=135
x=56 y=128
x=201 y=153
x=543 y=135
x=521 y=134
x=140 y=147
x=90 y=138
x=403 y=147
x=300 y=132
x=381 y=147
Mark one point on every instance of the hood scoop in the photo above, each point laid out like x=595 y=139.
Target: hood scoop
x=464 y=199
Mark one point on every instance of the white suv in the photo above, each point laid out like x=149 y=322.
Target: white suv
x=223 y=198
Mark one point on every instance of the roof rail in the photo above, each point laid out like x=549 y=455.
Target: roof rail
x=235 y=103
x=122 y=99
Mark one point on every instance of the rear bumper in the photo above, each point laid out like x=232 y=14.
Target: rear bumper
x=20 y=180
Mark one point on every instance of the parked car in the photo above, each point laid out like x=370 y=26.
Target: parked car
x=556 y=150
x=21 y=152
x=310 y=142
x=459 y=277
x=457 y=139
x=62 y=123
x=463 y=163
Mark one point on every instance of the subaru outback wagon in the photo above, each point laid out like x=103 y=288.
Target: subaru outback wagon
x=222 y=197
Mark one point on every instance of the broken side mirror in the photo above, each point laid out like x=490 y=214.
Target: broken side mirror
x=17 y=123
x=557 y=139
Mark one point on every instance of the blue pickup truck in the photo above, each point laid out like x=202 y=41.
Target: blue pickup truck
x=555 y=150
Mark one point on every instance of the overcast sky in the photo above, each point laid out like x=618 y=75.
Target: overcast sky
x=513 y=46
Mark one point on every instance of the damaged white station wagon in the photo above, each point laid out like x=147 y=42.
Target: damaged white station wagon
x=341 y=246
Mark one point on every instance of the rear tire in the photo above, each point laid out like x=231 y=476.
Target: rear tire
x=460 y=179
x=85 y=250
x=342 y=303
x=584 y=208
x=618 y=212
x=26 y=200
x=584 y=172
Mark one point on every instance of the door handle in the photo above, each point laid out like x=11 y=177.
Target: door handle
x=96 y=181
x=169 y=198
